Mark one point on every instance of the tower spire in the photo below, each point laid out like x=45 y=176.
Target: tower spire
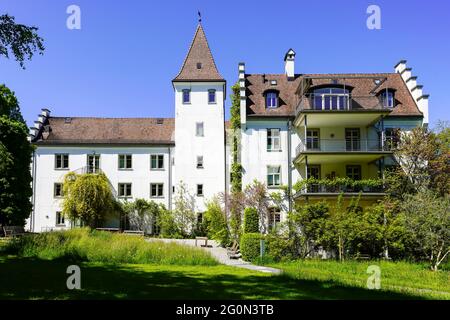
x=199 y=17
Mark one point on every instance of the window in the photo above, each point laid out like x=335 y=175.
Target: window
x=387 y=99
x=313 y=171
x=156 y=161
x=392 y=137
x=59 y=218
x=313 y=139
x=61 y=161
x=330 y=99
x=186 y=96
x=156 y=190
x=125 y=161
x=124 y=190
x=58 y=190
x=93 y=163
x=200 y=190
x=199 y=218
x=199 y=65
x=273 y=140
x=354 y=172
x=273 y=176
x=199 y=129
x=271 y=99
x=199 y=162
x=211 y=96
x=274 y=218
x=352 y=139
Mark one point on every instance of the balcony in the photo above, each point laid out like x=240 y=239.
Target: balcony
x=346 y=149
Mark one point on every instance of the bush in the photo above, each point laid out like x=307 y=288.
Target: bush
x=217 y=223
x=278 y=249
x=86 y=245
x=250 y=246
x=251 y=220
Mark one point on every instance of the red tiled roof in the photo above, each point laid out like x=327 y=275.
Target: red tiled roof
x=199 y=63
x=75 y=130
x=362 y=84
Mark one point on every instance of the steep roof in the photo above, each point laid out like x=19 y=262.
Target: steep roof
x=199 y=63
x=362 y=84
x=75 y=130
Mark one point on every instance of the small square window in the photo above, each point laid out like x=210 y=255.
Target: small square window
x=273 y=176
x=199 y=162
x=273 y=140
x=200 y=190
x=199 y=65
x=156 y=161
x=186 y=96
x=61 y=161
x=124 y=190
x=156 y=190
x=58 y=190
x=125 y=161
x=199 y=129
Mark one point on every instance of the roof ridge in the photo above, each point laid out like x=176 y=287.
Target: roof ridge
x=114 y=118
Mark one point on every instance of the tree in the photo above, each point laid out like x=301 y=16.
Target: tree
x=142 y=213
x=88 y=197
x=184 y=213
x=15 y=177
x=9 y=106
x=20 y=40
x=251 y=220
x=427 y=218
x=256 y=196
x=217 y=222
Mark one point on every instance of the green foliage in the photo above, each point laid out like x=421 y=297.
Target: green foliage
x=217 y=223
x=167 y=225
x=427 y=218
x=82 y=244
x=22 y=41
x=184 y=214
x=339 y=184
x=250 y=246
x=235 y=120
x=88 y=197
x=279 y=248
x=251 y=220
x=141 y=213
x=15 y=177
x=9 y=106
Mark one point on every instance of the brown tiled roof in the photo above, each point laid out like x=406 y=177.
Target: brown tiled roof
x=362 y=84
x=66 y=130
x=199 y=54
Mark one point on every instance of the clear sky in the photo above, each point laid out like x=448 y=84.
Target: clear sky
x=122 y=61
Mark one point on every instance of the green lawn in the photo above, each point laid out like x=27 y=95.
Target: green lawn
x=34 y=278
x=402 y=277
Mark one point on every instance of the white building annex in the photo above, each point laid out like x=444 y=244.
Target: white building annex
x=149 y=157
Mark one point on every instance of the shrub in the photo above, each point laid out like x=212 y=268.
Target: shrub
x=250 y=246
x=97 y=246
x=217 y=222
x=251 y=220
x=278 y=249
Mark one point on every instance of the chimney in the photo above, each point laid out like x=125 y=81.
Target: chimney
x=289 y=61
x=243 y=98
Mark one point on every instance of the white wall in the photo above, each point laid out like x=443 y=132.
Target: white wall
x=140 y=176
x=210 y=146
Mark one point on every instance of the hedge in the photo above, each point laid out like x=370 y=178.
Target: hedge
x=250 y=246
x=251 y=220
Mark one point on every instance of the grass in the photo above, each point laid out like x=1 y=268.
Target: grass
x=403 y=277
x=98 y=246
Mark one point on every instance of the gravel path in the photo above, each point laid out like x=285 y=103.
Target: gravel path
x=220 y=254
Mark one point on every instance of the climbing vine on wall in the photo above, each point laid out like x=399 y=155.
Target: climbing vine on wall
x=235 y=122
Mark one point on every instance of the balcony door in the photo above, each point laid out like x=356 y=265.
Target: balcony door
x=352 y=139
x=313 y=139
x=313 y=171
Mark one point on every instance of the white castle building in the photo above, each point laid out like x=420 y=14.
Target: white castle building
x=293 y=126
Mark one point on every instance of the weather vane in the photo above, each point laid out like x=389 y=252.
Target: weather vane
x=199 y=16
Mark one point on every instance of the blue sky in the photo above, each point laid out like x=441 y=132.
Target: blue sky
x=122 y=61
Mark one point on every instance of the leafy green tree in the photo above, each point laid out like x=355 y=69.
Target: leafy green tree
x=184 y=213
x=15 y=176
x=427 y=218
x=217 y=222
x=9 y=106
x=20 y=40
x=251 y=220
x=142 y=213
x=88 y=198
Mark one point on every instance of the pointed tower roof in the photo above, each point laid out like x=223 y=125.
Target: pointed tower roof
x=199 y=63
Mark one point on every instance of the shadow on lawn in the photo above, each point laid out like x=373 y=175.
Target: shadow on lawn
x=26 y=278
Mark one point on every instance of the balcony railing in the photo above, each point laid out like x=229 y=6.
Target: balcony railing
x=339 y=185
x=317 y=188
x=341 y=145
x=341 y=102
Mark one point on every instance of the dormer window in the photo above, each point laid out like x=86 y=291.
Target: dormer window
x=387 y=98
x=186 y=96
x=330 y=98
x=271 y=99
x=199 y=65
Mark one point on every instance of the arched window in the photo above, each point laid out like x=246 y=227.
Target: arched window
x=271 y=99
x=330 y=99
x=387 y=98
